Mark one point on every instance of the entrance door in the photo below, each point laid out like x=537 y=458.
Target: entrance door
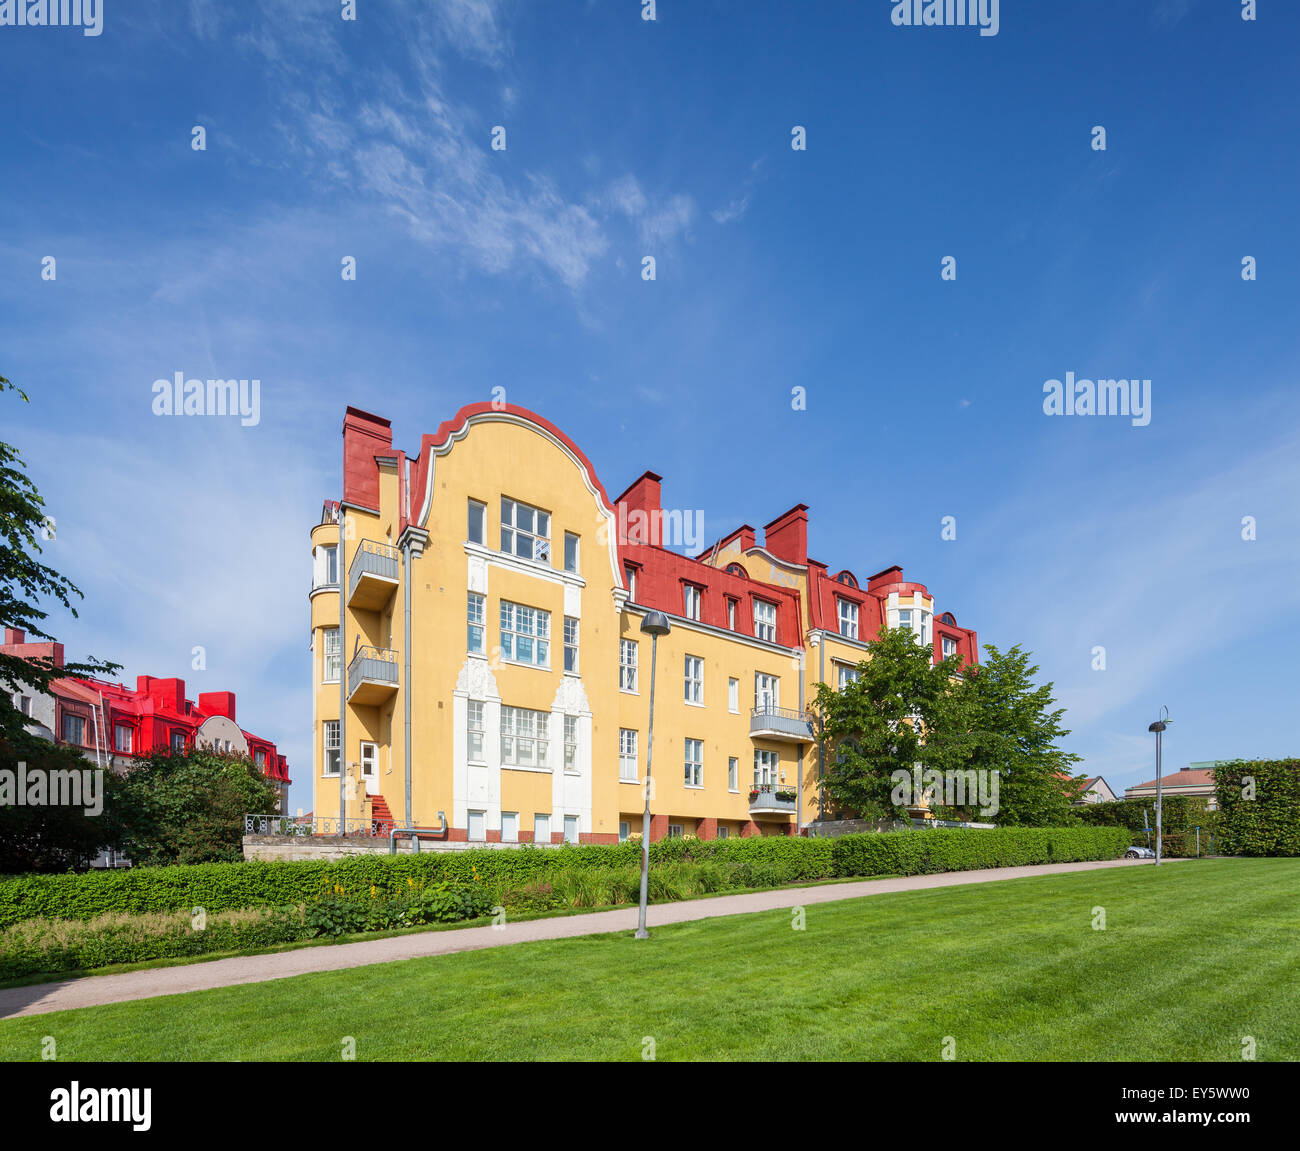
x=370 y=767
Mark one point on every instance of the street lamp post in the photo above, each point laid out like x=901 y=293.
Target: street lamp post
x=654 y=625
x=1159 y=728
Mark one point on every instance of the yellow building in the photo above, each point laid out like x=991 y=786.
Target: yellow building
x=478 y=662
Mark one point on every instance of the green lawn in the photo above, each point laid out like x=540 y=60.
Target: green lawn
x=1194 y=957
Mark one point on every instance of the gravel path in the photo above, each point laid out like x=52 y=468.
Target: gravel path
x=92 y=991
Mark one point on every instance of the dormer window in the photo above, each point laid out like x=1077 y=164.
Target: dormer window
x=848 y=613
x=765 y=620
x=691 y=602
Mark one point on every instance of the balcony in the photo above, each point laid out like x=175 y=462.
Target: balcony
x=784 y=723
x=772 y=799
x=372 y=579
x=372 y=675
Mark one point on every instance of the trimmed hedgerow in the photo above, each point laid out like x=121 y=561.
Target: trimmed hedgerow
x=527 y=876
x=957 y=849
x=1259 y=807
x=769 y=861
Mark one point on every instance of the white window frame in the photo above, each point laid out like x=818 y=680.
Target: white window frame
x=733 y=695
x=675 y=831
x=331 y=653
x=572 y=632
x=572 y=821
x=691 y=599
x=948 y=646
x=765 y=620
x=537 y=636
x=571 y=744
x=693 y=763
x=475 y=731
x=627 y=668
x=767 y=767
x=538 y=535
x=847 y=612
x=481 y=508
x=628 y=741
x=576 y=540
x=542 y=825
x=847 y=674
x=629 y=576
x=118 y=728
x=510 y=827
x=767 y=690
x=521 y=727
x=624 y=830
x=693 y=680
x=733 y=773
x=330 y=743
x=475 y=623
x=731 y=614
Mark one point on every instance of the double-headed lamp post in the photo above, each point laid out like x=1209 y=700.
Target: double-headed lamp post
x=1159 y=728
x=654 y=625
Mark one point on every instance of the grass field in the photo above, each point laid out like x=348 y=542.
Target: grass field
x=1194 y=958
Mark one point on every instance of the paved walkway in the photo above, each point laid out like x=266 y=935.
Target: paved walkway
x=92 y=991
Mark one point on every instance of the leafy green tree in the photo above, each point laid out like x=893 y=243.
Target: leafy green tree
x=188 y=807
x=899 y=714
x=25 y=583
x=51 y=837
x=1013 y=731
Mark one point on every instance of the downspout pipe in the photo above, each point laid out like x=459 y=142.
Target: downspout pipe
x=821 y=726
x=406 y=671
x=341 y=553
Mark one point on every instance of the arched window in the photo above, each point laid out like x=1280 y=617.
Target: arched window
x=846 y=578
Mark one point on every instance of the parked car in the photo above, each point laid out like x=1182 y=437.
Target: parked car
x=1136 y=852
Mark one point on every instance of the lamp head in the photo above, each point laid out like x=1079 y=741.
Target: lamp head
x=655 y=623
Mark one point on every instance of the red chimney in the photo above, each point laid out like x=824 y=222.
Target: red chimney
x=218 y=703
x=14 y=635
x=364 y=437
x=786 y=537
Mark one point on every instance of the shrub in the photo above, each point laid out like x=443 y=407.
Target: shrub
x=37 y=946
x=957 y=849
x=1259 y=807
x=223 y=886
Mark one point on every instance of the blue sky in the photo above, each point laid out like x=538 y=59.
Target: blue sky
x=775 y=269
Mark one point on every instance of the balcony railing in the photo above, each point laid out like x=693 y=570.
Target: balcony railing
x=372 y=674
x=770 y=722
x=372 y=578
x=772 y=798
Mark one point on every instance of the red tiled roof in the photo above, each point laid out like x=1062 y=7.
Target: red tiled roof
x=1200 y=777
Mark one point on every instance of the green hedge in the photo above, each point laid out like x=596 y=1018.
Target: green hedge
x=225 y=886
x=1259 y=807
x=957 y=849
x=752 y=862
x=42 y=946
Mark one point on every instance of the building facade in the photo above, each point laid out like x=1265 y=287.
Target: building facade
x=111 y=724
x=478 y=663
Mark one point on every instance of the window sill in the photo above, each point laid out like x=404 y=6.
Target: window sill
x=622 y=780
x=521 y=767
x=693 y=786
x=692 y=703
x=628 y=691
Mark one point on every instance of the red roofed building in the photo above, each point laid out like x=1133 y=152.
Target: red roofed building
x=111 y=724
